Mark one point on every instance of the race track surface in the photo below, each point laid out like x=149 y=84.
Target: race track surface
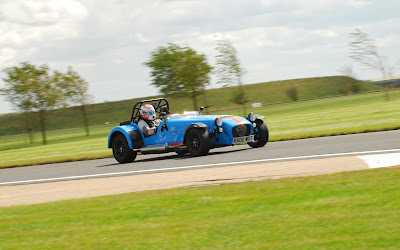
x=327 y=147
x=53 y=182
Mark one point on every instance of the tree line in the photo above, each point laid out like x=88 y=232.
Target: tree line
x=34 y=90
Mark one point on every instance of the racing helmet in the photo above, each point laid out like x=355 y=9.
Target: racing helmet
x=147 y=112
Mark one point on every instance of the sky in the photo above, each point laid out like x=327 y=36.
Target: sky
x=107 y=42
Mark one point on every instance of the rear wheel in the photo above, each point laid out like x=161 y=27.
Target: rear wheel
x=261 y=135
x=121 y=151
x=198 y=142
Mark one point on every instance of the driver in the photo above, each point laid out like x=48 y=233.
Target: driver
x=148 y=122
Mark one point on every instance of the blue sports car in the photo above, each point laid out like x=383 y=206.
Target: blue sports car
x=188 y=133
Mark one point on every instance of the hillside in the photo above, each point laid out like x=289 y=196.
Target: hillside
x=219 y=99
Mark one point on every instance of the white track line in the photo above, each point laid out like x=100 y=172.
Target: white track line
x=197 y=166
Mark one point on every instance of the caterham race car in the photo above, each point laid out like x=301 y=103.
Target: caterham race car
x=188 y=133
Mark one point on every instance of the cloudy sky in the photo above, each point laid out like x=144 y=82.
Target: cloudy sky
x=108 y=41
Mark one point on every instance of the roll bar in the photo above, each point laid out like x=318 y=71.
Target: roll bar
x=158 y=104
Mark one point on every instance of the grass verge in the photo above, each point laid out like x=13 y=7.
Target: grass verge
x=342 y=115
x=334 y=116
x=266 y=93
x=356 y=210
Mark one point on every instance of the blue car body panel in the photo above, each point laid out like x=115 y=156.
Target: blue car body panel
x=173 y=133
x=125 y=131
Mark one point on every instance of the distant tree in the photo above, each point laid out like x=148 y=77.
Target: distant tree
x=76 y=89
x=35 y=89
x=16 y=91
x=363 y=50
x=179 y=71
x=229 y=71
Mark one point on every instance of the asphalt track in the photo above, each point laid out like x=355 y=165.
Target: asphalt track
x=316 y=148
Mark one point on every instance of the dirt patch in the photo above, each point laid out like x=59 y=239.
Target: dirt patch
x=75 y=189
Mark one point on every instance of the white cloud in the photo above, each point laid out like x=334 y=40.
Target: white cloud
x=41 y=20
x=108 y=41
x=7 y=55
x=357 y=3
x=325 y=33
x=31 y=12
x=10 y=36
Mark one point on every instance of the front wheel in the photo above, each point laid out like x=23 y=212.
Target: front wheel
x=198 y=142
x=261 y=135
x=121 y=151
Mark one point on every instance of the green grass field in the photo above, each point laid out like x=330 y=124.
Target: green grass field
x=353 y=210
x=266 y=93
x=334 y=116
x=341 y=115
x=67 y=145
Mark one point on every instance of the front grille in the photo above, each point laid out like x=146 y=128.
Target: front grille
x=241 y=130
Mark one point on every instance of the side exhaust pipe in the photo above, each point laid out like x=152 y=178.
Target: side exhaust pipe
x=159 y=148
x=154 y=149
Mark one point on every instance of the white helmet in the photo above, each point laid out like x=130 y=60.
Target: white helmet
x=147 y=112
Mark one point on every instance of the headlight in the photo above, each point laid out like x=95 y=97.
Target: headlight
x=218 y=122
x=252 y=117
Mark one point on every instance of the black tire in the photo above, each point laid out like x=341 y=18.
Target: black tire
x=121 y=151
x=198 y=142
x=261 y=135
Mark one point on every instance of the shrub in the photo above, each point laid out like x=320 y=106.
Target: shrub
x=239 y=97
x=293 y=94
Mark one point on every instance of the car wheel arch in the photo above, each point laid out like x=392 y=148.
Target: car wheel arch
x=136 y=138
x=197 y=125
x=124 y=133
